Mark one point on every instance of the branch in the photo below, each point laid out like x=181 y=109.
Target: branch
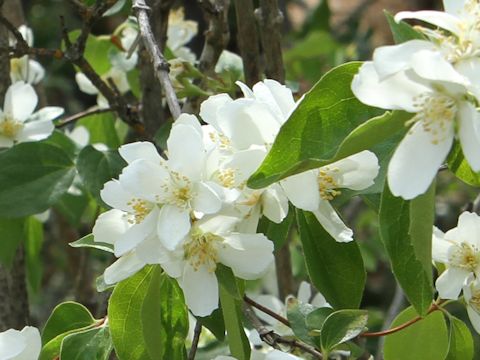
x=160 y=64
x=266 y=310
x=196 y=338
x=92 y=111
x=273 y=339
x=248 y=42
x=270 y=19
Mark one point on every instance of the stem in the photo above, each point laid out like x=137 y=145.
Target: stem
x=92 y=111
x=196 y=338
x=266 y=310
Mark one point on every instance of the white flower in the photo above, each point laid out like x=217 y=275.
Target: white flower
x=20 y=345
x=18 y=122
x=471 y=293
x=24 y=68
x=459 y=250
x=441 y=108
x=314 y=189
x=212 y=241
x=229 y=61
x=179 y=33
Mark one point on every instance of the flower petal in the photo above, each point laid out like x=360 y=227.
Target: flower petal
x=206 y=200
x=209 y=108
x=20 y=101
x=249 y=255
x=450 y=282
x=278 y=97
x=85 y=84
x=440 y=247
x=409 y=174
x=454 y=7
x=115 y=195
x=304 y=292
x=47 y=113
x=173 y=225
x=136 y=234
x=110 y=226
x=31 y=336
x=468 y=229
x=432 y=65
x=123 y=268
x=356 y=172
x=332 y=223
x=469 y=134
x=441 y=19
x=302 y=190
x=200 y=289
x=140 y=150
x=189 y=120
x=274 y=203
x=35 y=131
x=474 y=317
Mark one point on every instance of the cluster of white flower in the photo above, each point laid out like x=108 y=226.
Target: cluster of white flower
x=437 y=79
x=194 y=210
x=18 y=121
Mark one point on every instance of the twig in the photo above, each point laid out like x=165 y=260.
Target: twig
x=266 y=310
x=283 y=269
x=92 y=111
x=160 y=64
x=196 y=338
x=270 y=19
x=273 y=339
x=248 y=41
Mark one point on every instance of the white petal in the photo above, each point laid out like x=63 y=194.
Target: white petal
x=356 y=172
x=320 y=301
x=474 y=318
x=79 y=135
x=47 y=113
x=31 y=336
x=85 y=84
x=114 y=195
x=280 y=355
x=469 y=134
x=206 y=200
x=304 y=292
x=440 y=247
x=450 y=282
x=36 y=130
x=173 y=225
x=274 y=203
x=20 y=101
x=123 y=268
x=433 y=66
x=189 y=120
x=409 y=174
x=470 y=69
x=302 y=190
x=151 y=250
x=245 y=162
x=246 y=91
x=209 y=108
x=5 y=142
x=454 y=7
x=441 y=19
x=219 y=225
x=249 y=255
x=186 y=153
x=200 y=289
x=389 y=60
x=136 y=234
x=36 y=72
x=144 y=179
x=468 y=229
x=332 y=223
x=12 y=344
x=140 y=150
x=110 y=226
x=278 y=97
x=272 y=303
x=395 y=92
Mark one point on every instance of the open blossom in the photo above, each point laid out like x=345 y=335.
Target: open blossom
x=25 y=68
x=18 y=121
x=179 y=33
x=210 y=241
x=314 y=189
x=442 y=111
x=459 y=250
x=20 y=345
x=471 y=293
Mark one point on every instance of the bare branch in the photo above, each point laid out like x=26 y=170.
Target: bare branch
x=92 y=111
x=266 y=310
x=196 y=338
x=160 y=64
x=248 y=41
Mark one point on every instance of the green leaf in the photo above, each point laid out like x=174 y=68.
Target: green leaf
x=341 y=326
x=406 y=231
x=96 y=51
x=33 y=177
x=66 y=317
x=72 y=207
x=11 y=235
x=427 y=339
x=311 y=136
x=460 y=167
x=278 y=233
x=229 y=282
x=232 y=314
x=460 y=341
x=164 y=318
x=88 y=241
x=91 y=344
x=101 y=128
x=336 y=269
x=97 y=167
x=401 y=31
x=317 y=317
x=125 y=316
x=33 y=257
x=296 y=315
x=215 y=323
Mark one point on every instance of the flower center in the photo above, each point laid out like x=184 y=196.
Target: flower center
x=464 y=256
x=327 y=186
x=140 y=209
x=474 y=302
x=201 y=250
x=10 y=128
x=226 y=177
x=178 y=191
x=221 y=140
x=436 y=113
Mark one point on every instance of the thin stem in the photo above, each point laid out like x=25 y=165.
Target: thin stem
x=196 y=338
x=266 y=310
x=92 y=111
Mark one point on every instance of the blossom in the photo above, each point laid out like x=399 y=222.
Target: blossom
x=314 y=189
x=179 y=33
x=25 y=68
x=210 y=241
x=459 y=250
x=18 y=122
x=471 y=293
x=20 y=345
x=442 y=109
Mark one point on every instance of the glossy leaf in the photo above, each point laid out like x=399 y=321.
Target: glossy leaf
x=91 y=344
x=88 y=241
x=460 y=167
x=102 y=130
x=427 y=339
x=278 y=233
x=336 y=269
x=460 y=345
x=406 y=231
x=296 y=315
x=11 y=235
x=402 y=31
x=215 y=323
x=341 y=326
x=33 y=177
